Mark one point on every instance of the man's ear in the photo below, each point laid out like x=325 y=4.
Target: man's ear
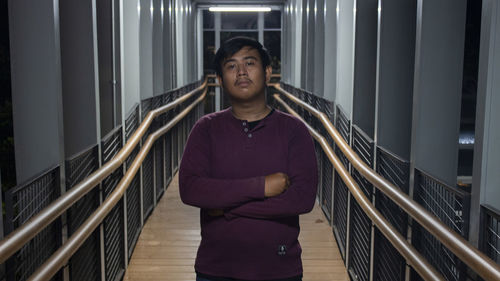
x=219 y=79
x=269 y=71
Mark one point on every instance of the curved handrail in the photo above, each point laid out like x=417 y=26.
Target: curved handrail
x=19 y=237
x=475 y=259
x=412 y=256
x=64 y=253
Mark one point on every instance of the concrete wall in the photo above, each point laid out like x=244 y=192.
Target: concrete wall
x=131 y=68
x=330 y=58
x=146 y=48
x=395 y=75
x=36 y=86
x=345 y=55
x=79 y=75
x=486 y=179
x=365 y=65
x=438 y=86
x=158 y=17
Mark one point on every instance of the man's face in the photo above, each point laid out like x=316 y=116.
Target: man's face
x=243 y=76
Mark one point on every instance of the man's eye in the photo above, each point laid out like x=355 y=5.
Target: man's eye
x=231 y=66
x=250 y=63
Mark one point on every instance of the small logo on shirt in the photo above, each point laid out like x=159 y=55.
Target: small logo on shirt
x=281 y=250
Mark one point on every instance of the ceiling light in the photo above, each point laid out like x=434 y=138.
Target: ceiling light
x=239 y=9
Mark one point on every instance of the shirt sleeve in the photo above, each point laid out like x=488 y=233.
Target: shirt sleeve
x=198 y=189
x=300 y=196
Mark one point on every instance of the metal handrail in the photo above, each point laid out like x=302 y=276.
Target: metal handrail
x=412 y=256
x=64 y=253
x=19 y=237
x=471 y=256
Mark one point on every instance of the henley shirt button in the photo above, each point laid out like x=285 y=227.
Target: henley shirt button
x=246 y=130
x=244 y=123
x=249 y=135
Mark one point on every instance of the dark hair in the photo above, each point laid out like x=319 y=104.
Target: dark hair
x=233 y=45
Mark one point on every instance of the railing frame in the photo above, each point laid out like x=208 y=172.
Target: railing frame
x=19 y=237
x=399 y=242
x=471 y=256
x=64 y=253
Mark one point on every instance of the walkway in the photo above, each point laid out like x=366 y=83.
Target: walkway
x=166 y=249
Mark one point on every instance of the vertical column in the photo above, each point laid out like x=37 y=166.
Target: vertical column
x=179 y=48
x=437 y=87
x=79 y=75
x=396 y=60
x=36 y=86
x=365 y=61
x=303 y=10
x=260 y=26
x=297 y=43
x=319 y=46
x=146 y=48
x=285 y=43
x=486 y=179
x=105 y=44
x=167 y=46
x=217 y=46
x=330 y=48
x=130 y=53
x=199 y=43
x=157 y=56
x=345 y=54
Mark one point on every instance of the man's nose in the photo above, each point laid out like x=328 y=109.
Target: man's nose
x=242 y=69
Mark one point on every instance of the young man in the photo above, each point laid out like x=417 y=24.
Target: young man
x=252 y=171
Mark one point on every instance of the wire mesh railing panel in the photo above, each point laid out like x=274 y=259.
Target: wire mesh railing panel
x=175 y=147
x=451 y=206
x=340 y=197
x=133 y=193
x=326 y=186
x=111 y=144
x=159 y=161
x=22 y=203
x=110 y=182
x=342 y=124
x=113 y=223
x=490 y=232
x=77 y=169
x=362 y=145
x=168 y=157
x=388 y=263
x=132 y=122
x=360 y=224
x=148 y=184
x=133 y=213
x=146 y=106
x=114 y=243
x=156 y=102
x=85 y=263
x=341 y=194
x=359 y=243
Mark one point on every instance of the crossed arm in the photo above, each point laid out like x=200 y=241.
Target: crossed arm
x=268 y=196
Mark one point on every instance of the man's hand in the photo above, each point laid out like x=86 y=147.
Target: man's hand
x=215 y=212
x=275 y=184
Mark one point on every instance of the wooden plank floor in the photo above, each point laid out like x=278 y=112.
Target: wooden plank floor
x=167 y=246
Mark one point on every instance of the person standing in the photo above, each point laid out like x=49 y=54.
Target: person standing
x=252 y=171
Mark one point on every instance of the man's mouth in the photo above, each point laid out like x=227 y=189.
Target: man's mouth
x=243 y=82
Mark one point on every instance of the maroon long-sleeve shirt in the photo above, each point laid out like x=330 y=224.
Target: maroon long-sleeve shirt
x=223 y=167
